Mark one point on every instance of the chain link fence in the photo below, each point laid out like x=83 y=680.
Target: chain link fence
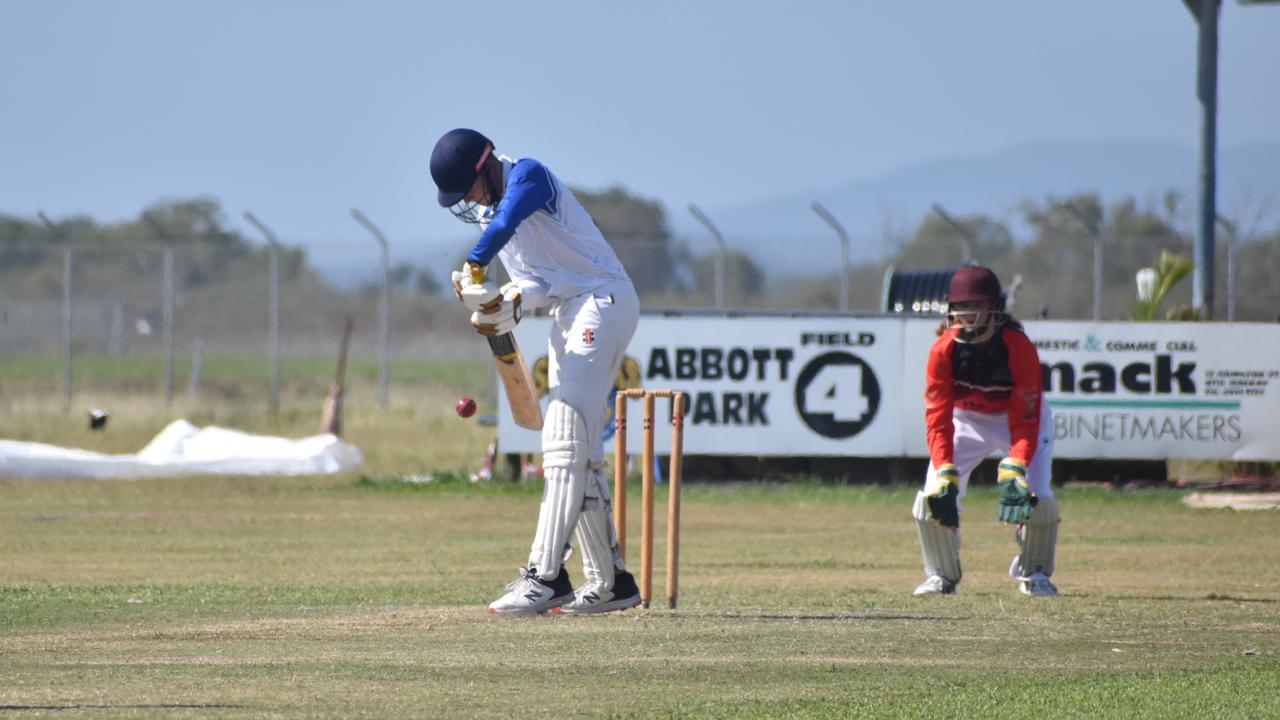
x=184 y=308
x=178 y=320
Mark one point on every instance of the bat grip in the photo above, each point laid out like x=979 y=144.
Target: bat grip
x=503 y=347
x=477 y=273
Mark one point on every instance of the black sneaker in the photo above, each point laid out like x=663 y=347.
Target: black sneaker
x=936 y=585
x=562 y=585
x=596 y=598
x=530 y=595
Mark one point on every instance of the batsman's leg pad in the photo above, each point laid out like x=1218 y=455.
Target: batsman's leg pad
x=596 y=536
x=1038 y=541
x=606 y=497
x=564 y=464
x=939 y=545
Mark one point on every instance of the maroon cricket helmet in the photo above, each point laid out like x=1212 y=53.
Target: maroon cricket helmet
x=974 y=282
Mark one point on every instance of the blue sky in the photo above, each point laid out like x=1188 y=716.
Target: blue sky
x=300 y=110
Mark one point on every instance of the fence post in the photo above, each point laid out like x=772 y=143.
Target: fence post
x=168 y=322
x=966 y=237
x=1096 y=233
x=193 y=385
x=115 y=345
x=384 y=307
x=273 y=312
x=720 y=252
x=66 y=310
x=844 y=252
x=1230 y=228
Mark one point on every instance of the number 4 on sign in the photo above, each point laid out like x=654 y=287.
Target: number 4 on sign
x=837 y=390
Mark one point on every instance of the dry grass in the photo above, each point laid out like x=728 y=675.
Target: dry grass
x=359 y=595
x=336 y=597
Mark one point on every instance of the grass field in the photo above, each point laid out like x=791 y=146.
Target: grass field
x=354 y=596
x=361 y=595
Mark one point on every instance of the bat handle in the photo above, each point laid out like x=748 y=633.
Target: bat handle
x=477 y=273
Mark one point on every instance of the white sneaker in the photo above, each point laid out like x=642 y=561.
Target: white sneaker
x=530 y=595
x=595 y=597
x=1038 y=585
x=936 y=585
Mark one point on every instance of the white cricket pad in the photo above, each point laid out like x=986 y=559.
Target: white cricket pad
x=939 y=545
x=1038 y=539
x=597 y=537
x=564 y=465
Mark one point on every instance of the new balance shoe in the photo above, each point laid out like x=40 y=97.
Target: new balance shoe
x=935 y=585
x=595 y=597
x=1038 y=585
x=530 y=594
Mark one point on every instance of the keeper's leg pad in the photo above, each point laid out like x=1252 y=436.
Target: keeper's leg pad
x=939 y=545
x=597 y=537
x=564 y=464
x=1038 y=541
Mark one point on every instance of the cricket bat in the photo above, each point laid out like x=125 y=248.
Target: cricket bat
x=331 y=415
x=522 y=397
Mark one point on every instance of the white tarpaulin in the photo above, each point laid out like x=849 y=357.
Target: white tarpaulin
x=184 y=449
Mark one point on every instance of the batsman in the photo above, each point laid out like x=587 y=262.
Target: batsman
x=982 y=396
x=556 y=258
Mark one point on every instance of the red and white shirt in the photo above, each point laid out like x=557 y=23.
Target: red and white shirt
x=998 y=376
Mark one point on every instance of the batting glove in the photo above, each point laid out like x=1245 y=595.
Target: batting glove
x=475 y=291
x=943 y=501
x=1016 y=499
x=461 y=281
x=501 y=316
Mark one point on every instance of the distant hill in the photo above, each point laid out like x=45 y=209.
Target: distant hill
x=776 y=230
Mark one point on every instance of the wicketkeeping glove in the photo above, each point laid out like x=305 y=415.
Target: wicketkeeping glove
x=1016 y=499
x=499 y=317
x=943 y=505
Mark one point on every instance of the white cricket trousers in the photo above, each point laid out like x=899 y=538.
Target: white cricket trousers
x=978 y=435
x=589 y=337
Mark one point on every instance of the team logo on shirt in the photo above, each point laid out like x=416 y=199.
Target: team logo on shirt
x=588 y=336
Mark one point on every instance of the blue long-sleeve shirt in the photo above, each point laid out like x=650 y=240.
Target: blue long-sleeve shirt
x=545 y=239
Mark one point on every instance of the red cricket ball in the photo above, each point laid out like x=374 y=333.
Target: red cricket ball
x=466 y=407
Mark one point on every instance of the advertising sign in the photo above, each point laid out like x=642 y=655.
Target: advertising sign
x=756 y=385
x=848 y=386
x=1162 y=390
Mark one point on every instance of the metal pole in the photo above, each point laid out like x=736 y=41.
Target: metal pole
x=720 y=251
x=1207 y=92
x=168 y=323
x=966 y=237
x=166 y=304
x=384 y=308
x=66 y=311
x=844 y=252
x=273 y=312
x=67 y=319
x=193 y=386
x=1230 y=229
x=115 y=346
x=1096 y=233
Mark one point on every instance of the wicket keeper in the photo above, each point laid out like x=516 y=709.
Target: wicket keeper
x=983 y=395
